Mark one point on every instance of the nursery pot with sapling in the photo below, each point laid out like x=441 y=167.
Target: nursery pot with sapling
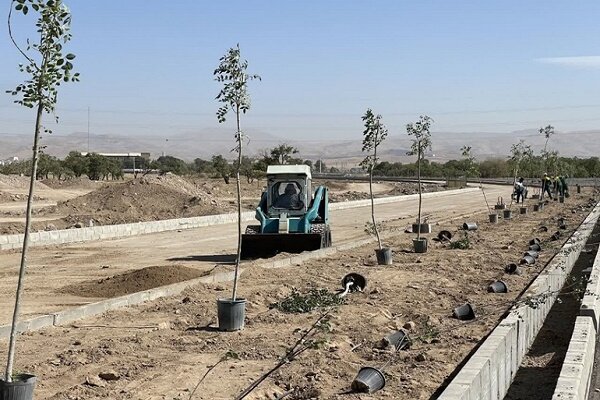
x=234 y=96
x=20 y=388
x=421 y=141
x=374 y=134
x=493 y=218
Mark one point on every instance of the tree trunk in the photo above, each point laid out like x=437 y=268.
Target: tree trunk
x=419 y=183
x=371 y=193
x=23 y=267
x=239 y=204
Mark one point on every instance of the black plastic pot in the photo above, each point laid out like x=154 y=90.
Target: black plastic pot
x=556 y=235
x=561 y=199
x=563 y=227
x=498 y=287
x=507 y=214
x=500 y=204
x=357 y=282
x=536 y=207
x=470 y=226
x=543 y=228
x=421 y=228
x=464 y=312
x=231 y=314
x=420 y=245
x=535 y=247
x=21 y=388
x=384 y=256
x=368 y=380
x=578 y=189
x=399 y=340
x=535 y=241
x=531 y=253
x=512 y=269
x=444 y=236
x=493 y=218
x=527 y=260
x=523 y=210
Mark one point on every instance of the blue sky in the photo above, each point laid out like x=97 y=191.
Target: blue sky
x=146 y=66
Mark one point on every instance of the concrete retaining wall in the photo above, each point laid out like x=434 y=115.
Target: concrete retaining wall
x=576 y=373
x=45 y=238
x=491 y=369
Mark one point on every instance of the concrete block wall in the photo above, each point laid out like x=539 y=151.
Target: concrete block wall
x=576 y=372
x=491 y=369
x=45 y=238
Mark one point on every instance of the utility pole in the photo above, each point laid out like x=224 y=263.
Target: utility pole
x=88 y=131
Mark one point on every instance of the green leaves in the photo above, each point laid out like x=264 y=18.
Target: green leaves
x=421 y=136
x=46 y=66
x=374 y=134
x=234 y=94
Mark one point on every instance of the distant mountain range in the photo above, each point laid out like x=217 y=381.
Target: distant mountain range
x=205 y=143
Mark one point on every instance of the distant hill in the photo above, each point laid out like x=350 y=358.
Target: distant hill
x=206 y=142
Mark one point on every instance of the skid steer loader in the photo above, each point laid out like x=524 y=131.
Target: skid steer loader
x=292 y=218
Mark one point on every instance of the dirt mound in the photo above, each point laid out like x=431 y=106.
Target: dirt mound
x=403 y=188
x=18 y=182
x=78 y=183
x=9 y=197
x=133 y=281
x=144 y=199
x=348 y=196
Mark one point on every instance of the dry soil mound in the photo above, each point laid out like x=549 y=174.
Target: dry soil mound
x=78 y=183
x=18 y=182
x=133 y=281
x=144 y=199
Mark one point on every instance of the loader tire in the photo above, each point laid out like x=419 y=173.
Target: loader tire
x=252 y=229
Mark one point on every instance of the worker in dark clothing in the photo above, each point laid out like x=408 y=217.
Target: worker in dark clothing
x=520 y=190
x=565 y=188
x=289 y=200
x=546 y=182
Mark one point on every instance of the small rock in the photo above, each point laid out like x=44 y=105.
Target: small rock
x=78 y=225
x=410 y=326
x=186 y=299
x=420 y=357
x=94 y=381
x=77 y=343
x=109 y=376
x=219 y=288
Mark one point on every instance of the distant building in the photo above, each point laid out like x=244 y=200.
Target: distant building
x=9 y=161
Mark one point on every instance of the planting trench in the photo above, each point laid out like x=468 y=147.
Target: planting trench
x=160 y=349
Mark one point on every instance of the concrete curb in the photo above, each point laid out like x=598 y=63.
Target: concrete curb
x=576 y=372
x=45 y=238
x=88 y=310
x=490 y=370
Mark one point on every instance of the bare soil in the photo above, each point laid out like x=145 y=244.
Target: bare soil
x=133 y=281
x=161 y=349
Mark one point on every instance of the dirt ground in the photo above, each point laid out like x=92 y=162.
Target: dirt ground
x=161 y=349
x=81 y=202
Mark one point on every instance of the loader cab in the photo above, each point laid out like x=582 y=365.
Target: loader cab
x=288 y=190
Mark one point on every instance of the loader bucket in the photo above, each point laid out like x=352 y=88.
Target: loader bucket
x=264 y=245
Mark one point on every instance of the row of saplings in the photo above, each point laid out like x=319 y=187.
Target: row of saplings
x=370 y=379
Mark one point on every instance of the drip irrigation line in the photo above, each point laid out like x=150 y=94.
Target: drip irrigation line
x=294 y=352
x=222 y=359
